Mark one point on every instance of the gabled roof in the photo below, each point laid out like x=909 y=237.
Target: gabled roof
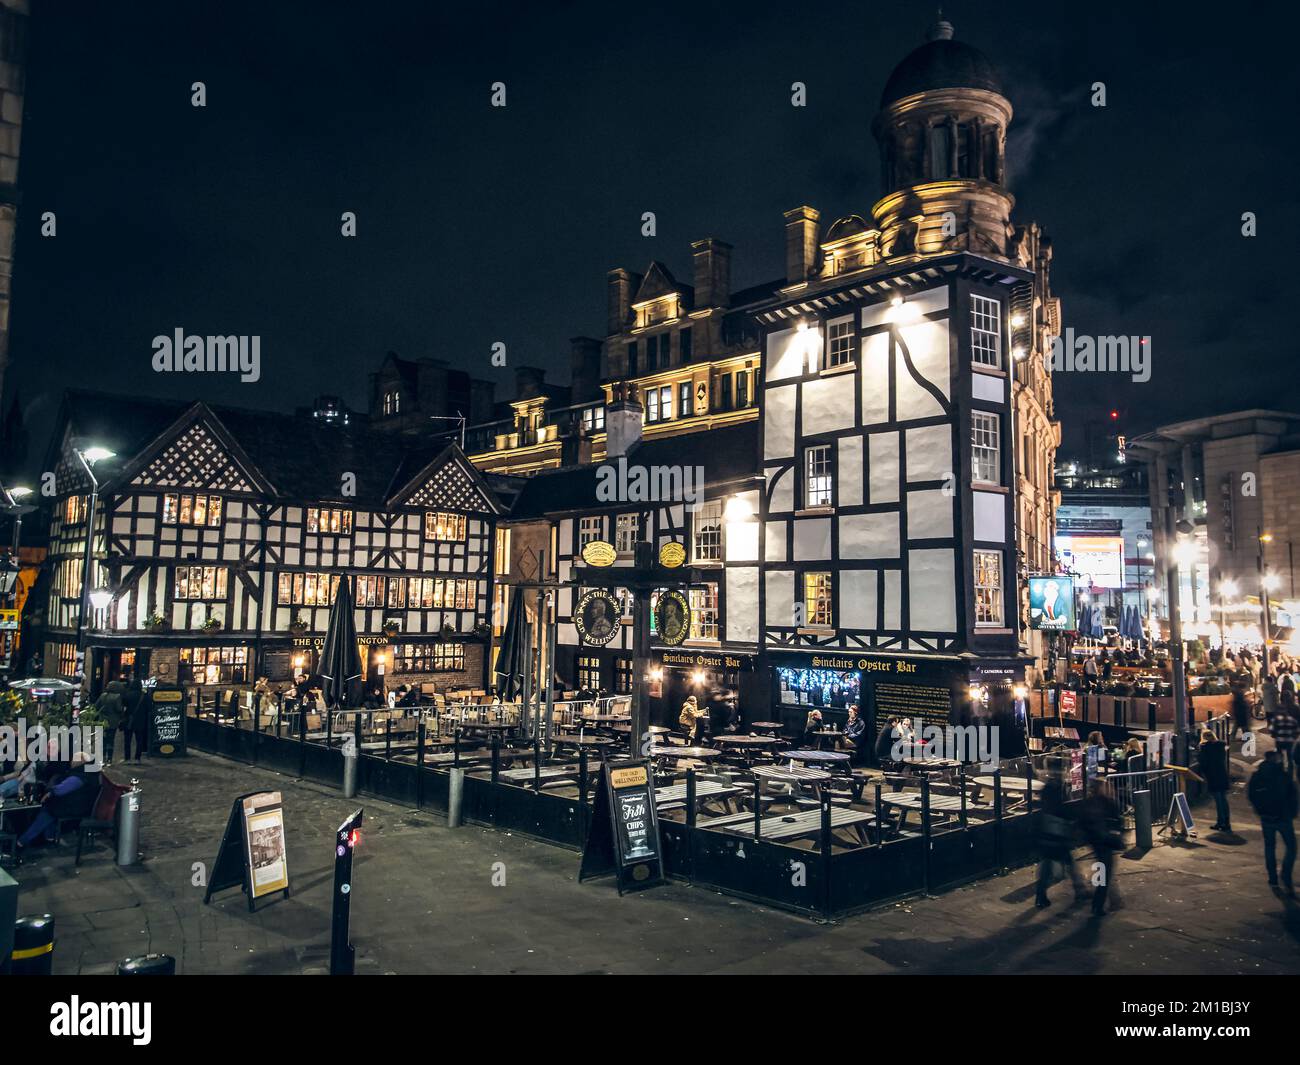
x=288 y=456
x=197 y=451
x=658 y=281
x=449 y=480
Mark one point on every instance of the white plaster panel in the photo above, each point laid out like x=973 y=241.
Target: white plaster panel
x=989 y=512
x=882 y=465
x=927 y=345
x=869 y=535
x=849 y=480
x=828 y=404
x=875 y=379
x=932 y=603
x=987 y=388
x=812 y=539
x=784 y=355
x=774 y=534
x=778 y=422
x=742 y=603
x=893 y=599
x=858 y=598
x=782 y=492
x=929 y=514
x=780 y=597
x=742 y=541
x=929 y=453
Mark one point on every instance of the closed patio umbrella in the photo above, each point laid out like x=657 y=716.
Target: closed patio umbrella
x=340 y=662
x=512 y=659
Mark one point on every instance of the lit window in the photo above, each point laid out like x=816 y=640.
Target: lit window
x=986 y=447
x=440 y=525
x=589 y=529
x=200 y=582
x=627 y=531
x=191 y=510
x=593 y=419
x=706 y=532
x=392 y=403
x=659 y=404
x=74 y=510
x=329 y=520
x=623 y=675
x=704 y=612
x=589 y=672
x=501 y=561
x=817 y=600
x=986 y=331
x=684 y=405
x=213 y=665
x=306 y=589
x=839 y=342
x=988 y=587
x=429 y=658
x=820 y=479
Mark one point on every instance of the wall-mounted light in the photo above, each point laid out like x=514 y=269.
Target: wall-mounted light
x=810 y=341
x=1017 y=320
x=100 y=598
x=738 y=509
x=697 y=677
x=1020 y=691
x=656 y=674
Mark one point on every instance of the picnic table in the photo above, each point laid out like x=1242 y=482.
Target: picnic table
x=932 y=765
x=781 y=827
x=551 y=774
x=907 y=801
x=706 y=791
x=607 y=719
x=704 y=754
x=1018 y=785
x=770 y=728
x=595 y=743
x=747 y=741
x=828 y=758
x=784 y=774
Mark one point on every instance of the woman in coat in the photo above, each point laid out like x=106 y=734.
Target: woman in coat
x=689 y=719
x=1212 y=764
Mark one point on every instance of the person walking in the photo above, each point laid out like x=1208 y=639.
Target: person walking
x=1054 y=834
x=1090 y=673
x=135 y=719
x=1099 y=822
x=1285 y=727
x=1272 y=793
x=1212 y=764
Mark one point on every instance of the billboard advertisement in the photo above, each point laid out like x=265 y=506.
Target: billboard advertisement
x=1051 y=604
x=1097 y=560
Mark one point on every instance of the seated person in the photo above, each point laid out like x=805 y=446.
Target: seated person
x=71 y=794
x=855 y=731
x=410 y=697
x=11 y=784
x=889 y=735
x=811 y=727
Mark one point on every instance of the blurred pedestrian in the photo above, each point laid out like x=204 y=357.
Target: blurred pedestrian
x=1099 y=822
x=1054 y=834
x=1272 y=793
x=1212 y=763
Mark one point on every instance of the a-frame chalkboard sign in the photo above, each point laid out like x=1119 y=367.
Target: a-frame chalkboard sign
x=233 y=866
x=624 y=835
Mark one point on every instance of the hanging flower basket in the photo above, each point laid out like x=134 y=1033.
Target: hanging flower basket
x=155 y=623
x=212 y=625
x=392 y=627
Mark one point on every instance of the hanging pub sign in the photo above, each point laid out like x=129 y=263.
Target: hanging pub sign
x=1051 y=604
x=671 y=555
x=624 y=835
x=252 y=851
x=167 y=720
x=599 y=553
x=672 y=618
x=597 y=617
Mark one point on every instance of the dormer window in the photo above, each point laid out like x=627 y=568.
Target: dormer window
x=392 y=403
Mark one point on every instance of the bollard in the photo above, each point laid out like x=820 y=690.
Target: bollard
x=148 y=965
x=349 y=769
x=128 y=826
x=33 y=953
x=455 y=798
x=1142 y=819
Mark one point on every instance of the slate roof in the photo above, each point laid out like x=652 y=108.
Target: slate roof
x=726 y=454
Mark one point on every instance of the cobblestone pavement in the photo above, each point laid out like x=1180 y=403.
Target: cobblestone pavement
x=425 y=902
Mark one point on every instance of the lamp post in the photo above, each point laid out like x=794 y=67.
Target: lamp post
x=88 y=457
x=1178 y=551
x=1267 y=582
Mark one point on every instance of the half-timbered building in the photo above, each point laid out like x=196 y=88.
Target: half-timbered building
x=222 y=534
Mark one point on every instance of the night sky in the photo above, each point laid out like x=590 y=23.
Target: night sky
x=478 y=224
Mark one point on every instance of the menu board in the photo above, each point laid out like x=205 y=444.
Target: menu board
x=931 y=704
x=624 y=835
x=167 y=721
x=268 y=868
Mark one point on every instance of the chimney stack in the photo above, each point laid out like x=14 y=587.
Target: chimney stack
x=584 y=369
x=801 y=240
x=623 y=419
x=712 y=273
x=621 y=285
x=529 y=381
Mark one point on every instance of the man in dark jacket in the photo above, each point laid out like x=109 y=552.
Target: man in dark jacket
x=135 y=719
x=1272 y=793
x=1212 y=764
x=70 y=796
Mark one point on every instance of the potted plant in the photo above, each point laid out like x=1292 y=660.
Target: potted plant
x=155 y=623
x=448 y=629
x=296 y=625
x=212 y=624
x=391 y=627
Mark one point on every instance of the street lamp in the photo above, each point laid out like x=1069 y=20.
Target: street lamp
x=88 y=457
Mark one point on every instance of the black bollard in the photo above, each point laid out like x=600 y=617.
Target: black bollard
x=342 y=954
x=33 y=951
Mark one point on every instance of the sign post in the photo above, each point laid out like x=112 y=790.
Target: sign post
x=624 y=837
x=343 y=955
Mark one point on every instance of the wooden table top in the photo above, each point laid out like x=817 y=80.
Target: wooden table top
x=704 y=789
x=661 y=751
x=803 y=823
x=815 y=756
x=1008 y=783
x=789 y=775
x=746 y=741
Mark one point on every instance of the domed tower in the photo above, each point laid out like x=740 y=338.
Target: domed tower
x=942 y=131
